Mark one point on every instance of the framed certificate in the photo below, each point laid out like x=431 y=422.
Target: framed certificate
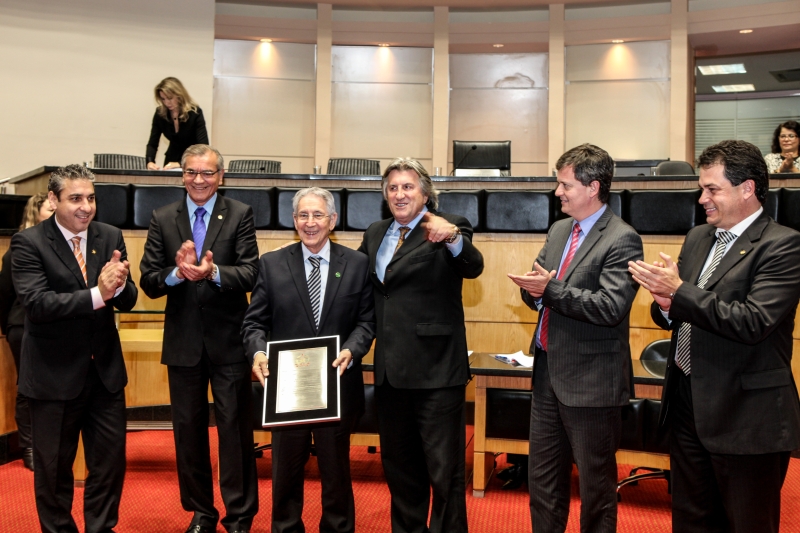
x=302 y=386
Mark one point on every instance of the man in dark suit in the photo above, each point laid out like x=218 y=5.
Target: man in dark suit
x=418 y=261
x=730 y=398
x=70 y=273
x=201 y=253
x=582 y=369
x=313 y=289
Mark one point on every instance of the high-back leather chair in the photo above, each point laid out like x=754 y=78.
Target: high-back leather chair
x=120 y=161
x=354 y=167
x=147 y=198
x=255 y=166
x=674 y=168
x=113 y=204
x=259 y=198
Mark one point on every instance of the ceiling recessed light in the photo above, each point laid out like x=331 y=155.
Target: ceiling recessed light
x=745 y=87
x=383 y=44
x=745 y=31
x=266 y=40
x=617 y=41
x=710 y=70
x=498 y=45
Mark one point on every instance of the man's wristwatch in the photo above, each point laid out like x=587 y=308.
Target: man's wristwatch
x=454 y=237
x=213 y=274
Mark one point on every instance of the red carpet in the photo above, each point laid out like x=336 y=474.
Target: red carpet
x=150 y=501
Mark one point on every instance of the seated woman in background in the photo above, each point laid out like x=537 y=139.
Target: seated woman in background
x=785 y=142
x=12 y=319
x=180 y=120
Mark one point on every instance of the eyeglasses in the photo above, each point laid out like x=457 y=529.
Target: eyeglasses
x=204 y=173
x=304 y=217
x=788 y=136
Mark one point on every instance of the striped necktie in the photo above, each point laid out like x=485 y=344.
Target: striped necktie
x=315 y=287
x=682 y=353
x=573 y=247
x=76 y=249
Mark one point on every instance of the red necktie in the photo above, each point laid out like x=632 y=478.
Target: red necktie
x=573 y=246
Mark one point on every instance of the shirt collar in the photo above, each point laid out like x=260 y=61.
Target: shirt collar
x=588 y=223
x=324 y=253
x=209 y=205
x=742 y=226
x=68 y=234
x=395 y=227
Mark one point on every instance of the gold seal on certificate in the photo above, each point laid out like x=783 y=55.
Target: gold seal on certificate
x=302 y=386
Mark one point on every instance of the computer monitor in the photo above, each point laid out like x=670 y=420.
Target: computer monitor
x=482 y=155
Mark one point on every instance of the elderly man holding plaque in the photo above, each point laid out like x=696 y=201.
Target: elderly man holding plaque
x=315 y=288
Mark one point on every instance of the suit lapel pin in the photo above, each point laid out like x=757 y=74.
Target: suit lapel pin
x=338 y=275
x=93 y=252
x=219 y=217
x=742 y=252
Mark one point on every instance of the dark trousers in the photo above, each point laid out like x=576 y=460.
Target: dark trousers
x=559 y=434
x=100 y=415
x=719 y=492
x=22 y=412
x=290 y=452
x=231 y=388
x=422 y=433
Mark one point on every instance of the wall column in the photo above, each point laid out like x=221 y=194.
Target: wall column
x=556 y=110
x=322 y=147
x=441 y=87
x=681 y=86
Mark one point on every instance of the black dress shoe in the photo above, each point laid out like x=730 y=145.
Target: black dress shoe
x=27 y=458
x=200 y=528
x=509 y=473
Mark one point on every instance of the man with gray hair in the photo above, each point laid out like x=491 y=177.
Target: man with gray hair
x=419 y=259
x=70 y=273
x=201 y=254
x=314 y=288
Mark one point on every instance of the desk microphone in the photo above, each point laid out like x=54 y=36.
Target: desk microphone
x=474 y=147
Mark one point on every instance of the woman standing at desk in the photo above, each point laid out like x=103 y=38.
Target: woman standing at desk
x=181 y=121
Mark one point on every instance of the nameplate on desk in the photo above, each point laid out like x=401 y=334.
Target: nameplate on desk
x=302 y=386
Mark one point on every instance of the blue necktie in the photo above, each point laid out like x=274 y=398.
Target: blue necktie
x=199 y=232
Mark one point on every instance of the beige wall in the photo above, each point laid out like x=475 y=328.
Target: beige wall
x=82 y=71
x=78 y=75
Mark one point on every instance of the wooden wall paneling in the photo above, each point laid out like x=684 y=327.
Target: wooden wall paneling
x=8 y=388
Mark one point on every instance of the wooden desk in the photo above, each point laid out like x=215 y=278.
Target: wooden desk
x=492 y=374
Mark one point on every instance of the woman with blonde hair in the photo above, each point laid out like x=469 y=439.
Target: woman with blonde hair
x=179 y=119
x=12 y=319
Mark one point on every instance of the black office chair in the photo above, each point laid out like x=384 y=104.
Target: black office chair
x=255 y=166
x=674 y=168
x=354 y=167
x=120 y=162
x=641 y=420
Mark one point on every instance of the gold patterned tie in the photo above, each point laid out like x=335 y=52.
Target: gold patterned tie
x=76 y=249
x=402 y=239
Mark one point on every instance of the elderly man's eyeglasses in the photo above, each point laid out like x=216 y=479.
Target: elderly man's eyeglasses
x=305 y=217
x=788 y=136
x=202 y=173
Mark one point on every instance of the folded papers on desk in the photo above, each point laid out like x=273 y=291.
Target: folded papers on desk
x=516 y=359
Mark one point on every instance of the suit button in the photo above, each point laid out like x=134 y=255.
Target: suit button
x=385 y=296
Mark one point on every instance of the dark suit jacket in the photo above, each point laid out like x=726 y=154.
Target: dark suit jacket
x=280 y=309
x=744 y=396
x=193 y=131
x=11 y=311
x=588 y=352
x=62 y=331
x=421 y=340
x=202 y=313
